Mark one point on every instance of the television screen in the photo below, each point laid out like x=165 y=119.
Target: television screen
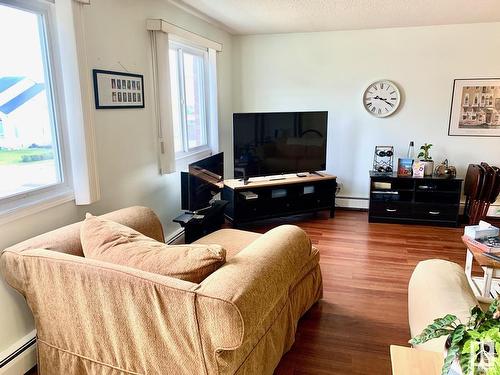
x=204 y=180
x=279 y=142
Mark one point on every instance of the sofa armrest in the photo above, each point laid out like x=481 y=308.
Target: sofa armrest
x=437 y=287
x=106 y=315
x=251 y=284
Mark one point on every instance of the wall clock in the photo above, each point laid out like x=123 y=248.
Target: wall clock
x=382 y=98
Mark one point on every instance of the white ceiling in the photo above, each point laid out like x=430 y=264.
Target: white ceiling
x=284 y=16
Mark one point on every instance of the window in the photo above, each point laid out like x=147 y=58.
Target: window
x=31 y=152
x=188 y=76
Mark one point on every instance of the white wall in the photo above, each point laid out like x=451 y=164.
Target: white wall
x=117 y=40
x=330 y=71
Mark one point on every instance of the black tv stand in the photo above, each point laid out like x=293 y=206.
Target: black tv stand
x=265 y=199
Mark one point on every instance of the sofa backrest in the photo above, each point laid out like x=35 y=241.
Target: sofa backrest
x=67 y=239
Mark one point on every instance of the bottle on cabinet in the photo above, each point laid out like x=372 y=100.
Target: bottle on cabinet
x=411 y=151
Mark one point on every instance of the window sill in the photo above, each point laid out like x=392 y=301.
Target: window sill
x=37 y=205
x=182 y=161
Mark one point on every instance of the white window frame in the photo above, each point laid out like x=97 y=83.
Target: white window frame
x=24 y=203
x=189 y=154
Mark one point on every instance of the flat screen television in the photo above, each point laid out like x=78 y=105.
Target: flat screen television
x=203 y=181
x=276 y=143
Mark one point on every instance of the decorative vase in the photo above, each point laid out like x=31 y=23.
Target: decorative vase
x=445 y=170
x=428 y=167
x=455 y=368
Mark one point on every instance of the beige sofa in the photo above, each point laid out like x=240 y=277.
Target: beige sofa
x=95 y=317
x=438 y=287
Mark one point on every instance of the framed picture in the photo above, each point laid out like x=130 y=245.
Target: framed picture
x=475 y=108
x=118 y=90
x=405 y=167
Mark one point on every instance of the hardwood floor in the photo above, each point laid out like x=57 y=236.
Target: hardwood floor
x=366 y=269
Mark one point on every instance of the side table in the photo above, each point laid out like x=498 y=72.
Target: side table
x=410 y=361
x=488 y=265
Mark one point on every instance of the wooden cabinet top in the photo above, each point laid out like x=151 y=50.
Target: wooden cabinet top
x=287 y=179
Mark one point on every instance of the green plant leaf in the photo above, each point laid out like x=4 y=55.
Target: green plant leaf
x=476 y=314
x=420 y=155
x=465 y=363
x=440 y=327
x=495 y=370
x=474 y=335
x=493 y=307
x=487 y=324
x=456 y=337
x=434 y=334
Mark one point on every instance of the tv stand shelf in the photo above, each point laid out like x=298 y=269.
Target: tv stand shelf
x=263 y=197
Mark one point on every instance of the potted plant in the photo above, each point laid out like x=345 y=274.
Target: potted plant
x=426 y=158
x=472 y=348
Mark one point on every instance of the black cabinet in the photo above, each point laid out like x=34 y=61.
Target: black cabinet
x=267 y=199
x=427 y=200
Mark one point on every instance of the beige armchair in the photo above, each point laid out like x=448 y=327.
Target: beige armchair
x=95 y=317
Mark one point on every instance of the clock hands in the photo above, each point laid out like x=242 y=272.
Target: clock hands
x=384 y=100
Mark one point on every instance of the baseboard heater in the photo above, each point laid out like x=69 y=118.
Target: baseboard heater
x=17 y=349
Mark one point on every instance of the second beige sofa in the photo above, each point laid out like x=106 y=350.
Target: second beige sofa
x=437 y=288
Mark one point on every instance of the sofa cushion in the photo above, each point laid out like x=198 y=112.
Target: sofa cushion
x=232 y=240
x=112 y=242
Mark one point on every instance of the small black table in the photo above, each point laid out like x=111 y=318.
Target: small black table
x=202 y=222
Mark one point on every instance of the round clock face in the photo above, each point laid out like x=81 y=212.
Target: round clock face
x=381 y=98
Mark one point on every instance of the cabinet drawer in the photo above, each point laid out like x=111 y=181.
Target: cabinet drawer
x=435 y=212
x=390 y=209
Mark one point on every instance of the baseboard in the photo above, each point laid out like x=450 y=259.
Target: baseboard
x=174 y=236
x=352 y=202
x=20 y=357
x=494 y=211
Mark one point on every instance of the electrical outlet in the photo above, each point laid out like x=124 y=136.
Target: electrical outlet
x=339 y=188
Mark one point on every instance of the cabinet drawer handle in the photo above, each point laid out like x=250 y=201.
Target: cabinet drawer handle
x=391 y=210
x=434 y=212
